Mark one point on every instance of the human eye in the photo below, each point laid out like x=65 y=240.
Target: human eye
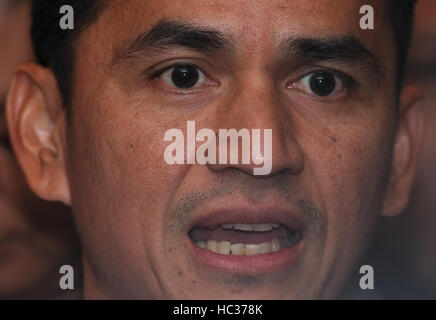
x=323 y=84
x=183 y=78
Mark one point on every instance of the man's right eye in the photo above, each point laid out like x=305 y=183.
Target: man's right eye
x=322 y=83
x=184 y=77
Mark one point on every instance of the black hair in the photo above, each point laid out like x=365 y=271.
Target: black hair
x=401 y=17
x=54 y=47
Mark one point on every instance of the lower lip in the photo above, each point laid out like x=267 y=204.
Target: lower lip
x=260 y=264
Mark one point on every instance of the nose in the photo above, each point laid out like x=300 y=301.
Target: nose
x=254 y=108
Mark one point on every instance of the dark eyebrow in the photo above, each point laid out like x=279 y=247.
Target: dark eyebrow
x=174 y=33
x=341 y=49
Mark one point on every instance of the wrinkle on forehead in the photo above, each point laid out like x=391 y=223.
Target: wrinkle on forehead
x=252 y=19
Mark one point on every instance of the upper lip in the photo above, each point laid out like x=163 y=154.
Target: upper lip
x=249 y=215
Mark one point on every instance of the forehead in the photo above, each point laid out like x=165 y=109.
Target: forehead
x=254 y=23
x=240 y=14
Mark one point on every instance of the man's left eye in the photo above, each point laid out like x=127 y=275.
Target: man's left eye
x=184 y=76
x=320 y=83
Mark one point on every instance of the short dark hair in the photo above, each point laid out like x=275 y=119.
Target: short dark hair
x=401 y=16
x=54 y=47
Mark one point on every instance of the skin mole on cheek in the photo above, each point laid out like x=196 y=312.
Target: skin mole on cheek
x=180 y=272
x=333 y=139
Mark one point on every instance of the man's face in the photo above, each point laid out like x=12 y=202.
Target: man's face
x=331 y=152
x=35 y=236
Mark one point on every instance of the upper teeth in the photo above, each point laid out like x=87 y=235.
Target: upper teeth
x=251 y=227
x=225 y=247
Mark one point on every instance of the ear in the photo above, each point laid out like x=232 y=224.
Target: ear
x=406 y=151
x=37 y=127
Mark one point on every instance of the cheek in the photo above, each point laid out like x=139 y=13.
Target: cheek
x=357 y=180
x=118 y=162
x=349 y=167
x=350 y=174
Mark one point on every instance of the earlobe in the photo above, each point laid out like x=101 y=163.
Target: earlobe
x=36 y=122
x=406 y=151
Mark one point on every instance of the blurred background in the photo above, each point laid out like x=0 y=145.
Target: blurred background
x=36 y=237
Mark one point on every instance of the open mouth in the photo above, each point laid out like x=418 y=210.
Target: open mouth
x=242 y=239
x=248 y=240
